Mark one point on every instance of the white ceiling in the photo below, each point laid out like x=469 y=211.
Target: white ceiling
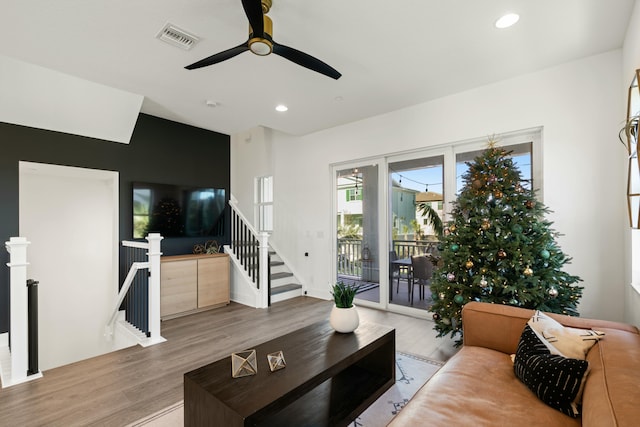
x=392 y=54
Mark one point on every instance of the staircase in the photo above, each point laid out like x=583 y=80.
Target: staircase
x=283 y=282
x=263 y=276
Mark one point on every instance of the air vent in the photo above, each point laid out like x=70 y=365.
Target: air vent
x=177 y=37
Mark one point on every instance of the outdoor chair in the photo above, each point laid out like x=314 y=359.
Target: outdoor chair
x=422 y=272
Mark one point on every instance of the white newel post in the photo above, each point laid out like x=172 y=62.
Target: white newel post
x=263 y=239
x=154 y=254
x=17 y=248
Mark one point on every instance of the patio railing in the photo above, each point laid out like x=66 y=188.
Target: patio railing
x=350 y=253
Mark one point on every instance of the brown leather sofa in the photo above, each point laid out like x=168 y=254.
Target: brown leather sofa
x=478 y=387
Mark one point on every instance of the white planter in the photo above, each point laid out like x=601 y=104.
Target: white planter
x=344 y=320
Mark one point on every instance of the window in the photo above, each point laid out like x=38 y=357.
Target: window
x=141 y=211
x=521 y=154
x=353 y=194
x=264 y=203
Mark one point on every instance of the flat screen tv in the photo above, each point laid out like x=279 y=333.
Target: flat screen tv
x=177 y=211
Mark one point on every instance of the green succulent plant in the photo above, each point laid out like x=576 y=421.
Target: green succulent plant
x=343 y=294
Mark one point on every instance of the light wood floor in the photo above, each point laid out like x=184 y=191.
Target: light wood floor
x=124 y=386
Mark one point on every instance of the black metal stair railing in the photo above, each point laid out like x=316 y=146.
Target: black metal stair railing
x=136 y=302
x=246 y=246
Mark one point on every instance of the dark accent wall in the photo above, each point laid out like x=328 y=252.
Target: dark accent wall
x=160 y=151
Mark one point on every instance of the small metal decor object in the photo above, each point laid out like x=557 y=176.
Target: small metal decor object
x=276 y=361
x=244 y=364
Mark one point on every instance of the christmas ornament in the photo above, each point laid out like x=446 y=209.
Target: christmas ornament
x=483 y=270
x=446 y=321
x=451 y=277
x=483 y=282
x=486 y=224
x=497 y=194
x=436 y=316
x=442 y=295
x=513 y=301
x=468 y=264
x=528 y=271
x=492 y=179
x=529 y=204
x=545 y=254
x=454 y=247
x=501 y=254
x=447 y=231
x=452 y=228
x=477 y=184
x=458 y=299
x=553 y=292
x=517 y=228
x=519 y=188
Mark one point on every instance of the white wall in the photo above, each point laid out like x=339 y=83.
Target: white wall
x=70 y=216
x=42 y=98
x=579 y=105
x=631 y=62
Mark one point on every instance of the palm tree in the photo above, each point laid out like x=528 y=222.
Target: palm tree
x=432 y=216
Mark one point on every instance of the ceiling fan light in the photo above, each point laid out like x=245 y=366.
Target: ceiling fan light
x=260 y=46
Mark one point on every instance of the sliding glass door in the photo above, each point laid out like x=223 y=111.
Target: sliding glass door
x=416 y=196
x=357 y=239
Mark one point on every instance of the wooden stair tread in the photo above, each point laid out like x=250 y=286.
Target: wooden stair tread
x=285 y=288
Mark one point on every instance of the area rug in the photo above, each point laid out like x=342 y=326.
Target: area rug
x=411 y=373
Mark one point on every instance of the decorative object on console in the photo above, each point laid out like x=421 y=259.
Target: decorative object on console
x=210 y=247
x=244 y=364
x=276 y=361
x=344 y=316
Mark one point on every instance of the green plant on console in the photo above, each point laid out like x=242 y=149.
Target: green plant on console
x=343 y=294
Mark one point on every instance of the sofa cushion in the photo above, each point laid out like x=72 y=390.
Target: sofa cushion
x=555 y=379
x=565 y=341
x=477 y=388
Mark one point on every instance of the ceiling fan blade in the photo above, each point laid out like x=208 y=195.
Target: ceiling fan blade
x=305 y=60
x=219 y=57
x=253 y=10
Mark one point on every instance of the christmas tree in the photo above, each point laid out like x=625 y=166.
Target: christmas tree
x=498 y=248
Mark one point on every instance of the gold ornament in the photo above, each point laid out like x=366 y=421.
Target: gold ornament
x=452 y=228
x=528 y=271
x=502 y=254
x=530 y=204
x=477 y=184
x=485 y=224
x=468 y=264
x=497 y=194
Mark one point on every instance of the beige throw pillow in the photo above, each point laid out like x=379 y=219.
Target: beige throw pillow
x=561 y=340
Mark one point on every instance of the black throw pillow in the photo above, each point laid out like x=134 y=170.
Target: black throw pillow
x=556 y=380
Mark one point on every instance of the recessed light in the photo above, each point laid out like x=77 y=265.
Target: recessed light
x=281 y=108
x=212 y=104
x=507 y=20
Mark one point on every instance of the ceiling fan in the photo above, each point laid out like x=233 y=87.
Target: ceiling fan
x=261 y=43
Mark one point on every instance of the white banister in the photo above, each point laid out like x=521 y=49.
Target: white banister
x=17 y=248
x=263 y=239
x=263 y=255
x=133 y=270
x=153 y=266
x=154 y=254
x=247 y=223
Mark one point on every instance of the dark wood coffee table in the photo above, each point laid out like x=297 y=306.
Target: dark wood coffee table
x=330 y=378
